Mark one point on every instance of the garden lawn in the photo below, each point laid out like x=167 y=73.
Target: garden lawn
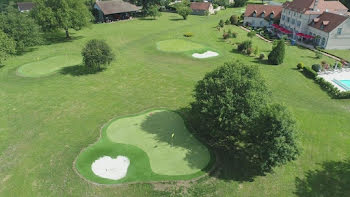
x=178 y=45
x=157 y=143
x=40 y=68
x=345 y=54
x=45 y=122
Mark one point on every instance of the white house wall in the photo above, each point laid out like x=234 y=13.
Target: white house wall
x=341 y=41
x=256 y=21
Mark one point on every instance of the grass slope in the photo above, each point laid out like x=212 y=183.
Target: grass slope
x=45 y=122
x=146 y=140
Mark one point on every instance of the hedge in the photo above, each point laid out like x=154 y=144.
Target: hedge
x=325 y=85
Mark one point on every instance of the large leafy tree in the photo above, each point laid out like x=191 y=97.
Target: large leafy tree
x=61 y=14
x=184 y=11
x=232 y=111
x=20 y=28
x=273 y=139
x=7 y=47
x=227 y=101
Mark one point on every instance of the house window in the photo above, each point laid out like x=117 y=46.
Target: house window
x=322 y=27
x=263 y=15
x=254 y=14
x=283 y=17
x=323 y=41
x=293 y=21
x=272 y=16
x=339 y=31
x=288 y=19
x=298 y=23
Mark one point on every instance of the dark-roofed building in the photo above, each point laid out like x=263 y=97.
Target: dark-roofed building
x=262 y=15
x=332 y=31
x=25 y=6
x=202 y=8
x=115 y=10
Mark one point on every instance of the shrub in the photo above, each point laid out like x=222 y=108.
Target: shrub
x=234 y=20
x=318 y=54
x=240 y=3
x=256 y=51
x=249 y=51
x=300 y=66
x=276 y=56
x=153 y=11
x=262 y=56
x=188 y=34
x=97 y=53
x=251 y=34
x=316 y=67
x=227 y=22
x=244 y=46
x=308 y=72
x=221 y=23
x=226 y=35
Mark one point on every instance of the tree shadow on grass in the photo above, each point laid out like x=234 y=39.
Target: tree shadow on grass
x=163 y=124
x=332 y=180
x=264 y=61
x=176 y=19
x=78 y=70
x=59 y=37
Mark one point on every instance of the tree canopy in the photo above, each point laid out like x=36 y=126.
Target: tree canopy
x=97 y=53
x=276 y=56
x=232 y=111
x=7 y=47
x=63 y=14
x=21 y=28
x=183 y=10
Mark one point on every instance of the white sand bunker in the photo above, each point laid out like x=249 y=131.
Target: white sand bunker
x=205 y=55
x=109 y=168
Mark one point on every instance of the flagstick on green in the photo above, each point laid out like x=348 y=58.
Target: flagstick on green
x=172 y=138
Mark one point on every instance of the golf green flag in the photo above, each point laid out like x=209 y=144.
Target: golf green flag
x=172 y=135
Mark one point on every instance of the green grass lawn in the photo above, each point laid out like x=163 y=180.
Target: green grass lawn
x=178 y=158
x=45 y=122
x=48 y=66
x=345 y=54
x=178 y=45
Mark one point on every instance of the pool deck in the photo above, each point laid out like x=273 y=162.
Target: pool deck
x=336 y=75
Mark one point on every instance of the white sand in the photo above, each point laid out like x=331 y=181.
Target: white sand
x=343 y=75
x=205 y=55
x=109 y=168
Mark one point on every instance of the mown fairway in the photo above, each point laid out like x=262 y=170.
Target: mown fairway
x=46 y=121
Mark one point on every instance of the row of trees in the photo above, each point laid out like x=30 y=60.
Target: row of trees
x=233 y=111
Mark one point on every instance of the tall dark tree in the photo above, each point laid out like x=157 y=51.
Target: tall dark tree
x=20 y=28
x=277 y=54
x=61 y=14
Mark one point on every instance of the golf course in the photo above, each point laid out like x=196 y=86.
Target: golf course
x=158 y=144
x=58 y=126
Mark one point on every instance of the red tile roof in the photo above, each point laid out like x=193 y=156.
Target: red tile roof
x=329 y=21
x=116 y=6
x=200 y=5
x=25 y=6
x=267 y=9
x=307 y=6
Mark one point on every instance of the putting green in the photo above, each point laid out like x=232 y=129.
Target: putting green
x=158 y=144
x=48 y=66
x=178 y=45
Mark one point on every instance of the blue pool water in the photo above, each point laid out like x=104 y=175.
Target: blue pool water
x=345 y=82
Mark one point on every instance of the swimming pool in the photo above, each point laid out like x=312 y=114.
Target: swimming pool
x=345 y=84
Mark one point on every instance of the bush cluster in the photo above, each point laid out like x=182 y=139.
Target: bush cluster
x=309 y=72
x=188 y=34
x=245 y=47
x=316 y=67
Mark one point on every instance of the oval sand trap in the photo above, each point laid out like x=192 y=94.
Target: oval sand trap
x=109 y=168
x=178 y=45
x=48 y=66
x=207 y=54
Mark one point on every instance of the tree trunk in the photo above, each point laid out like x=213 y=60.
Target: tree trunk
x=67 y=34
